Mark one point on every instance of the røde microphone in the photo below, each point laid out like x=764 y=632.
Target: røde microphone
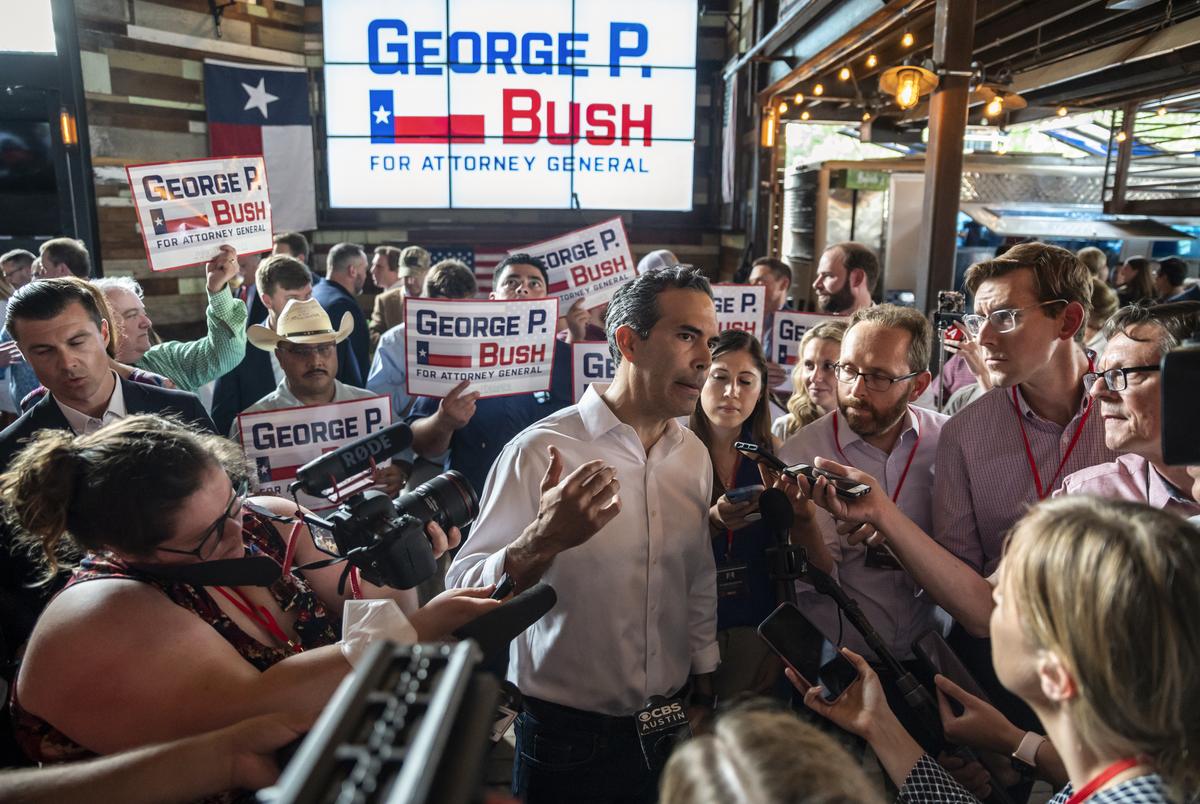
x=495 y=629
x=353 y=458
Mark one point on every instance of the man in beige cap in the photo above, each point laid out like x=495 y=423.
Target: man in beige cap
x=399 y=274
x=305 y=344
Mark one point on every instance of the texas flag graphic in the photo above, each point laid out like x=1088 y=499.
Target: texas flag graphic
x=164 y=225
x=784 y=358
x=388 y=127
x=453 y=355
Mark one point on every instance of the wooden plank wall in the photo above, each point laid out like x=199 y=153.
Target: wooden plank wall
x=142 y=69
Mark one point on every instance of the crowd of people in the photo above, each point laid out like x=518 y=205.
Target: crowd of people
x=1017 y=506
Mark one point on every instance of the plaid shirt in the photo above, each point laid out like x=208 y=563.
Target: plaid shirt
x=929 y=783
x=191 y=364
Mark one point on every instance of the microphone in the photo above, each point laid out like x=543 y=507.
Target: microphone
x=496 y=628
x=252 y=571
x=352 y=459
x=786 y=561
x=776 y=510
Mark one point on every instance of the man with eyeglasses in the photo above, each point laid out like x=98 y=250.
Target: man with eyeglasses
x=1127 y=388
x=1014 y=445
x=467 y=433
x=882 y=370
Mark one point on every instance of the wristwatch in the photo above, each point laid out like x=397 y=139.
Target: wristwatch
x=1024 y=759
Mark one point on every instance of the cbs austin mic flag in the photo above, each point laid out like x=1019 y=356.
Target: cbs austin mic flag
x=258 y=109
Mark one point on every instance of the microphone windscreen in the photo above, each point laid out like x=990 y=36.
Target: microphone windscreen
x=496 y=628
x=776 y=509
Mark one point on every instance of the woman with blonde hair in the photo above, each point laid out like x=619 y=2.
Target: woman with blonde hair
x=814 y=387
x=1095 y=628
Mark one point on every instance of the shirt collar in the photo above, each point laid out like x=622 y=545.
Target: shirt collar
x=911 y=425
x=598 y=418
x=82 y=423
x=1029 y=413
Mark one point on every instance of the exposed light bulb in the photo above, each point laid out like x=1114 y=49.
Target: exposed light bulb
x=804 y=115
x=1120 y=136
x=866 y=116
x=798 y=98
x=871 y=61
x=907 y=39
x=1062 y=111
x=1162 y=110
x=782 y=108
x=819 y=89
x=908 y=89
x=994 y=107
x=844 y=74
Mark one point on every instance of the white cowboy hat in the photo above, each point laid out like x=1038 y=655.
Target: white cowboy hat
x=300 y=322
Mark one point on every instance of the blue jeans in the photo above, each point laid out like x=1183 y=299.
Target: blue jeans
x=566 y=754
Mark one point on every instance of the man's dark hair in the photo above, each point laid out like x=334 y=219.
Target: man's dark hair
x=520 y=259
x=70 y=251
x=450 y=279
x=281 y=271
x=296 y=243
x=340 y=257
x=1174 y=270
x=1176 y=322
x=856 y=256
x=46 y=298
x=18 y=255
x=635 y=304
x=391 y=255
x=779 y=268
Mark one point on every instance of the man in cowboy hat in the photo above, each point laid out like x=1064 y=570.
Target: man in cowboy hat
x=305 y=344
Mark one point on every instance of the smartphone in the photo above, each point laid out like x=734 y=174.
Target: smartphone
x=759 y=455
x=955 y=333
x=933 y=652
x=803 y=647
x=1180 y=382
x=743 y=494
x=845 y=487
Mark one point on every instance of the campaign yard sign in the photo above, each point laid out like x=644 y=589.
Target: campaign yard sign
x=278 y=442
x=789 y=327
x=588 y=264
x=501 y=347
x=590 y=362
x=740 y=307
x=187 y=209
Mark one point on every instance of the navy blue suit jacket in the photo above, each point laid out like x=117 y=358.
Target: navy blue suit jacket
x=338 y=301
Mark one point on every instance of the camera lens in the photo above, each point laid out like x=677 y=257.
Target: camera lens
x=447 y=499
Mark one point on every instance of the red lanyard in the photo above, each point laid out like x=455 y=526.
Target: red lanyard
x=1085 y=792
x=737 y=464
x=907 y=464
x=1037 y=478
x=260 y=615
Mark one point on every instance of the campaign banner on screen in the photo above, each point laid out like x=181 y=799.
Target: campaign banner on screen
x=588 y=264
x=787 y=330
x=740 y=307
x=501 y=347
x=590 y=362
x=278 y=442
x=562 y=104
x=187 y=209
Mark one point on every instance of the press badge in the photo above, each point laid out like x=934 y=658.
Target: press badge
x=732 y=580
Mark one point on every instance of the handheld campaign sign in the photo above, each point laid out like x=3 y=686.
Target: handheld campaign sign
x=740 y=307
x=787 y=330
x=187 y=209
x=279 y=442
x=502 y=347
x=587 y=264
x=590 y=362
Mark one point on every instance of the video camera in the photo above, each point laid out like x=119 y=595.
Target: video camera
x=1180 y=390
x=383 y=537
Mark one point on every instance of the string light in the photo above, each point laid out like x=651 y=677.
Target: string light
x=798 y=98
x=804 y=115
x=844 y=74
x=1162 y=110
x=1062 y=111
x=994 y=107
x=907 y=39
x=1120 y=136
x=782 y=108
x=866 y=116
x=872 y=61
x=819 y=89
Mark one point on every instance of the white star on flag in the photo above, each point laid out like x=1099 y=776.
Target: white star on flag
x=422 y=352
x=258 y=97
x=381 y=115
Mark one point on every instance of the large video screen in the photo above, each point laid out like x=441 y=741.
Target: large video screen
x=541 y=104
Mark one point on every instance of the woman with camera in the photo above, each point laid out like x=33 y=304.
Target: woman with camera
x=128 y=653
x=1094 y=628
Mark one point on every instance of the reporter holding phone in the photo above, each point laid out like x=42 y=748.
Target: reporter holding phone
x=734 y=406
x=1094 y=628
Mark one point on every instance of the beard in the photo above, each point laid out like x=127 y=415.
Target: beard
x=838 y=302
x=867 y=421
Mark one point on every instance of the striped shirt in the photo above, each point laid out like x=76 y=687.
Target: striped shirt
x=984 y=482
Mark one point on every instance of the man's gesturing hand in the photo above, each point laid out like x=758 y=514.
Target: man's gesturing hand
x=574 y=508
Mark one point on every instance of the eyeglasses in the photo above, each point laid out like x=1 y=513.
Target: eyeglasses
x=1115 y=379
x=1002 y=320
x=235 y=505
x=874 y=382
x=322 y=349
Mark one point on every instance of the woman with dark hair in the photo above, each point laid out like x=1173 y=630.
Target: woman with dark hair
x=734 y=406
x=129 y=653
x=1135 y=281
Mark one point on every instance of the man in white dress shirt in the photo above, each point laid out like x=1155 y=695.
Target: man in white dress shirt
x=634 y=571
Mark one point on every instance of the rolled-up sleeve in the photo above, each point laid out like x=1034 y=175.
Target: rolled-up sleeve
x=191 y=364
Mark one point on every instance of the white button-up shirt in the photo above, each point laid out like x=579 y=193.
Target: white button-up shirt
x=637 y=603
x=82 y=423
x=889 y=598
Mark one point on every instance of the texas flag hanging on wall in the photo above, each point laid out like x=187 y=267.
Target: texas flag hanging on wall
x=255 y=109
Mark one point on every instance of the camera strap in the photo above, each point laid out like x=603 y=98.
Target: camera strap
x=289 y=556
